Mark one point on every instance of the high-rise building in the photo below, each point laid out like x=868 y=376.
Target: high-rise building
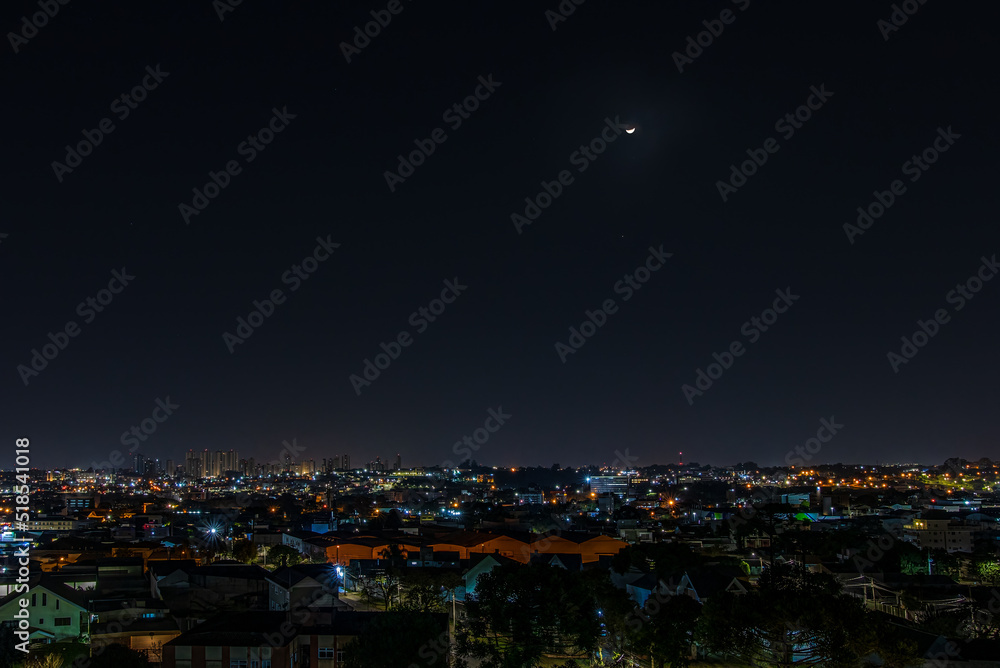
x=228 y=461
x=194 y=465
x=139 y=463
x=399 y=462
x=346 y=462
x=170 y=468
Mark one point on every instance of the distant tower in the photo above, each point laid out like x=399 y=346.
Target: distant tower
x=399 y=462
x=680 y=459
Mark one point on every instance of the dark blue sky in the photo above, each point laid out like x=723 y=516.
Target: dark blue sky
x=323 y=175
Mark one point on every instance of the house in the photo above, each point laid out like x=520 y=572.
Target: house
x=240 y=640
x=143 y=625
x=648 y=584
x=701 y=584
x=56 y=612
x=300 y=542
x=304 y=585
x=196 y=593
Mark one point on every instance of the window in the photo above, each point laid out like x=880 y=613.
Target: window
x=238 y=663
x=33 y=600
x=340 y=656
x=325 y=653
x=45 y=599
x=57 y=604
x=265 y=663
x=41 y=621
x=62 y=621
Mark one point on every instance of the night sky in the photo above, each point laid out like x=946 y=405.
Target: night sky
x=212 y=84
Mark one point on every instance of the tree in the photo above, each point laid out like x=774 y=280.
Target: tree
x=947 y=563
x=521 y=612
x=49 y=660
x=616 y=613
x=400 y=639
x=667 y=634
x=795 y=617
x=394 y=554
x=428 y=589
x=244 y=550
x=283 y=555
x=988 y=570
x=912 y=560
x=382 y=585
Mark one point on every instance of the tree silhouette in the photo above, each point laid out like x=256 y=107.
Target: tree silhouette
x=522 y=611
x=795 y=617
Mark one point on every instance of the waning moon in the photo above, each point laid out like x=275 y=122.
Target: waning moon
x=630 y=130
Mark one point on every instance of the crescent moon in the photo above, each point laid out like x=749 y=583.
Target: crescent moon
x=630 y=130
